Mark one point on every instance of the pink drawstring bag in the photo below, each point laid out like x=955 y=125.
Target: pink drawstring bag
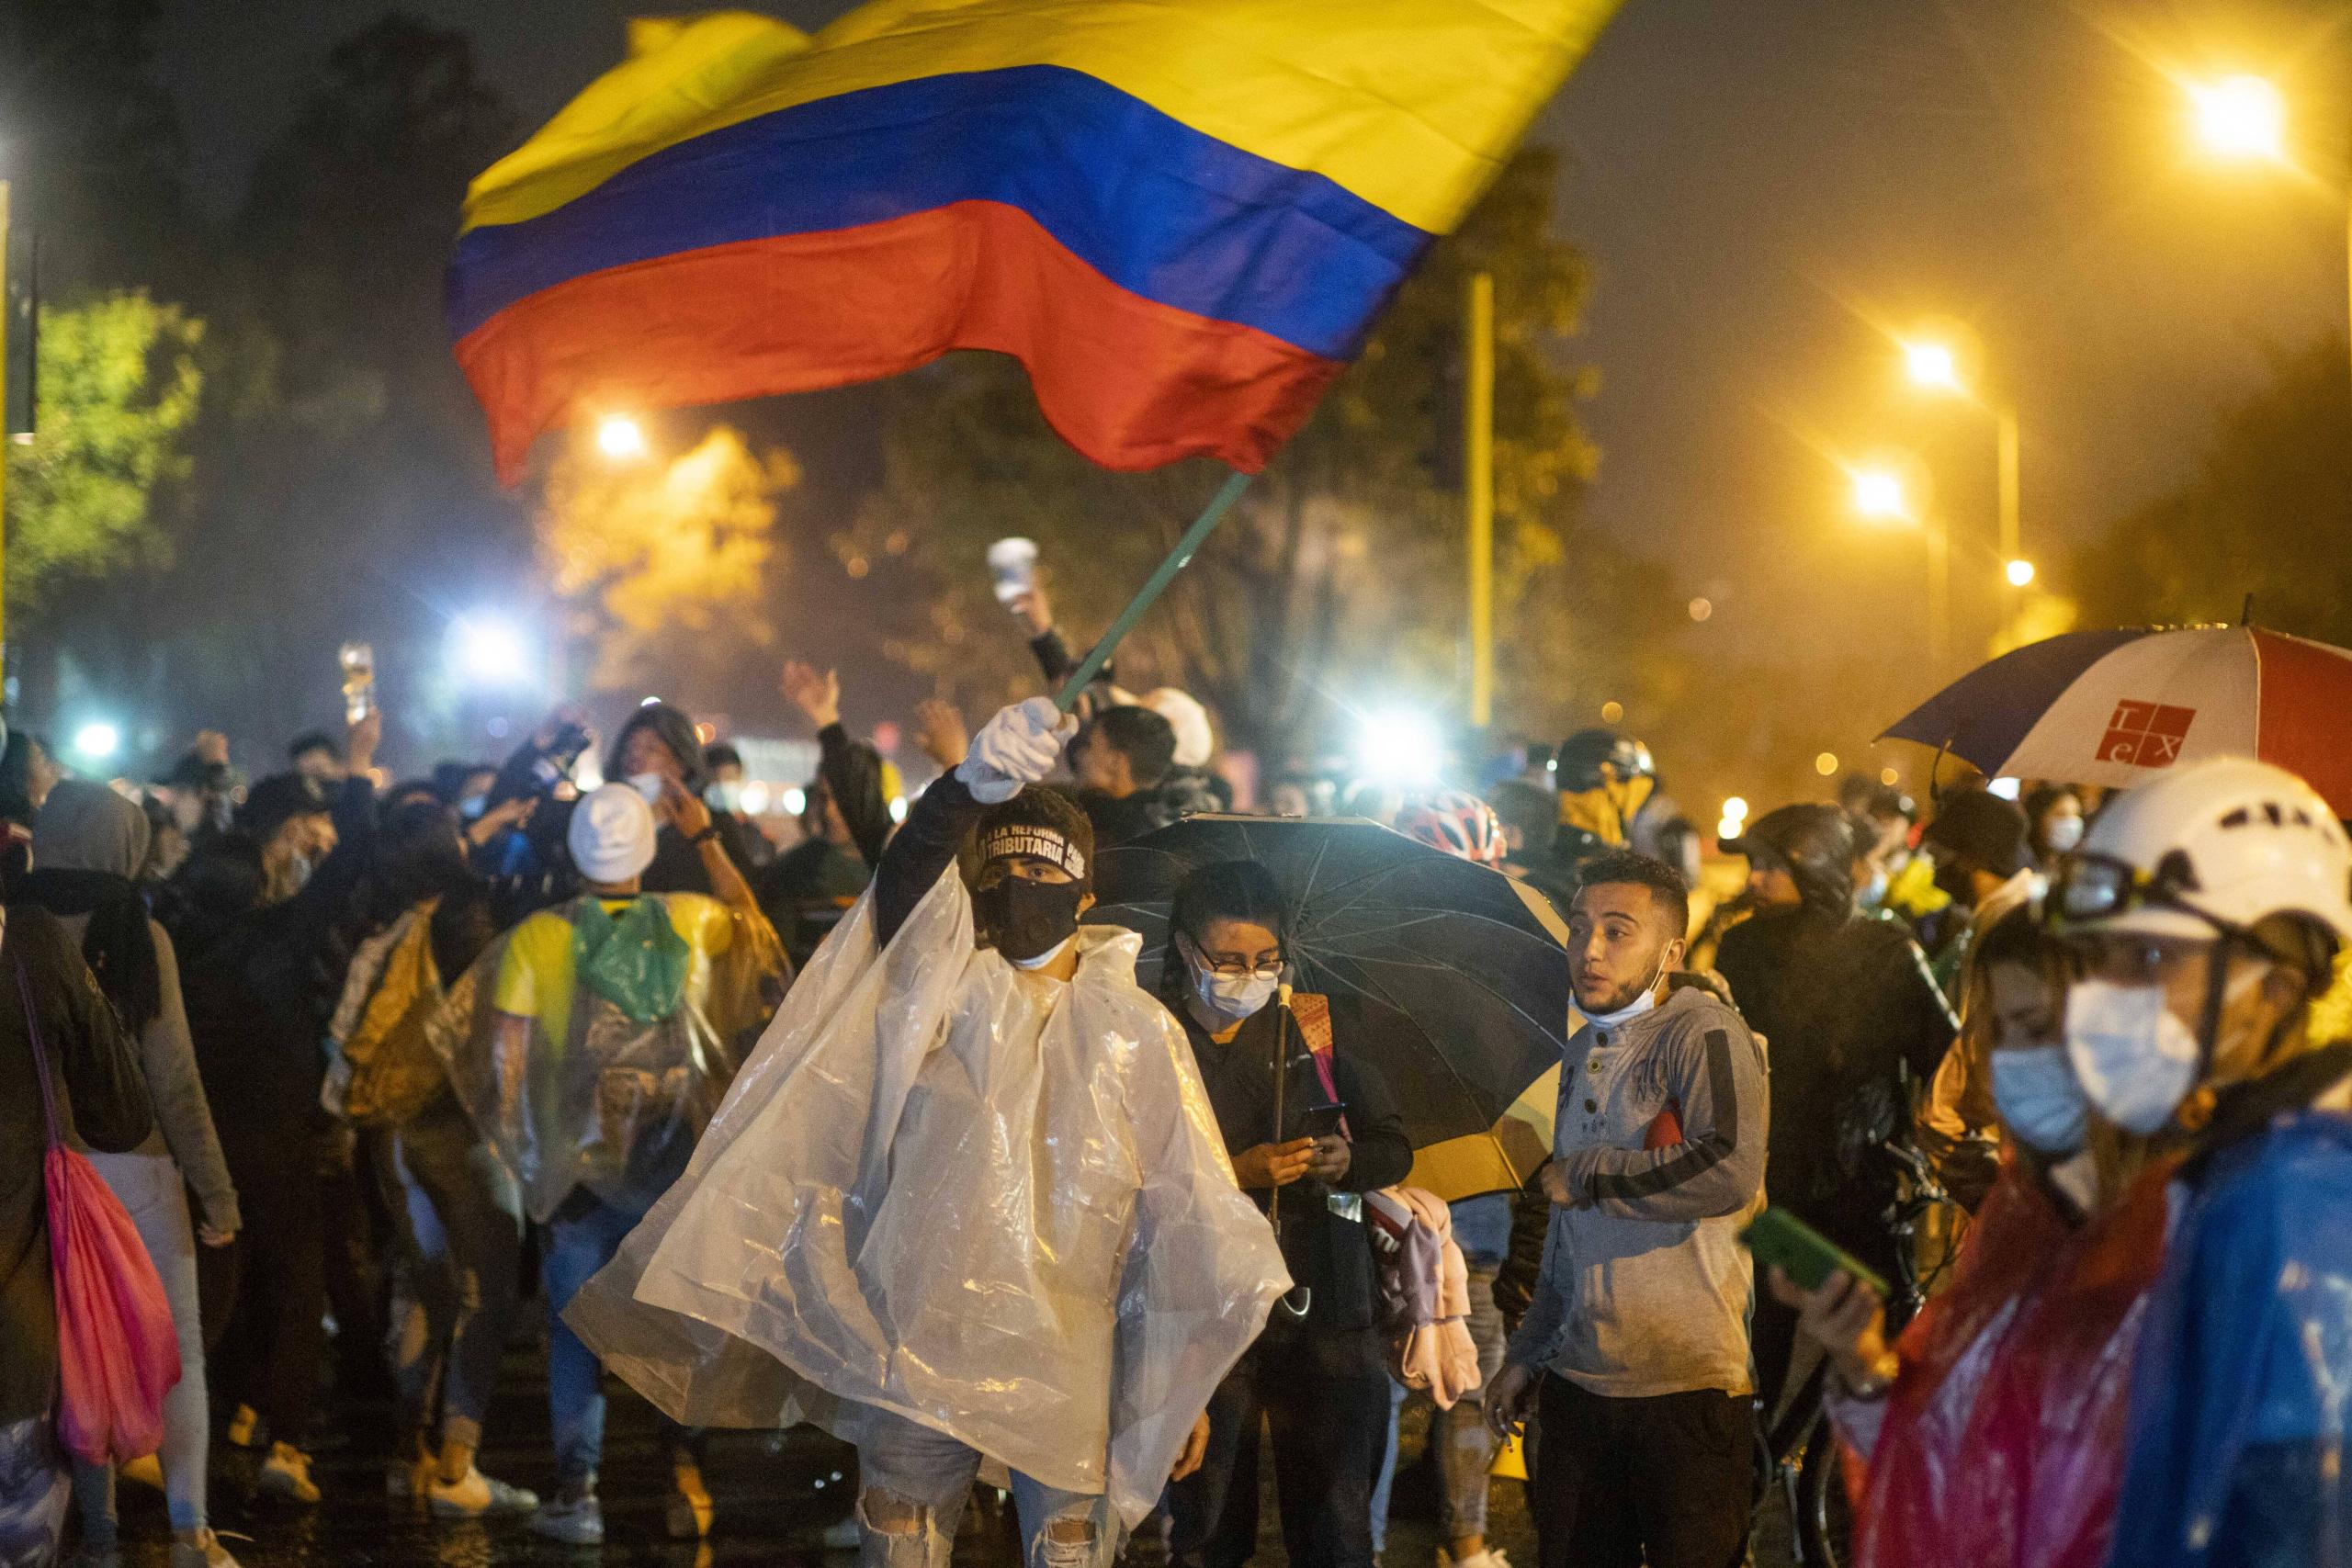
x=117 y=1353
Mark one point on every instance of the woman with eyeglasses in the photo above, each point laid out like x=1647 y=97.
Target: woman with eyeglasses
x=1316 y=1379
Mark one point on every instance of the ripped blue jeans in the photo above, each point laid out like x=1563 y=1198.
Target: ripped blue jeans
x=913 y=1483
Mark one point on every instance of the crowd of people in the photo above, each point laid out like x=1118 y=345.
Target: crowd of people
x=985 y=1205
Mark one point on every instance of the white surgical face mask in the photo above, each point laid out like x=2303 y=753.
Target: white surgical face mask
x=2039 y=1100
x=2063 y=834
x=724 y=795
x=1046 y=957
x=1234 y=996
x=1639 y=1005
x=2135 y=1061
x=648 y=786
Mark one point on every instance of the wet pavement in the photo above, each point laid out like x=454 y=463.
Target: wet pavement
x=777 y=1493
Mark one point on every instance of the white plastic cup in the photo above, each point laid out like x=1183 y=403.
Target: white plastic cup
x=1013 y=564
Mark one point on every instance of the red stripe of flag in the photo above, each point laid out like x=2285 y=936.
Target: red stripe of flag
x=1129 y=382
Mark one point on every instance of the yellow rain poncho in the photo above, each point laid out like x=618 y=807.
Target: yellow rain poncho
x=591 y=1044
x=981 y=1200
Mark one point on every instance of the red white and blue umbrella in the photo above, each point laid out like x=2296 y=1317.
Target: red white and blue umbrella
x=2119 y=707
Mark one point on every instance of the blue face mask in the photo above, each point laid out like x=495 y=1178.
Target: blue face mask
x=472 y=807
x=2041 y=1102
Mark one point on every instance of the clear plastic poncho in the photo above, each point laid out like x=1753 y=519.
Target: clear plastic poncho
x=616 y=1105
x=963 y=1194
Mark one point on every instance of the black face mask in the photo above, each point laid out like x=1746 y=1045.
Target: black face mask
x=1026 y=920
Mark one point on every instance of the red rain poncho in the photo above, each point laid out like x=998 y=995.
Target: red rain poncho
x=2002 y=1442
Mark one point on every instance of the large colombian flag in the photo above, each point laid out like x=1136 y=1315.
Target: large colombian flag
x=1180 y=215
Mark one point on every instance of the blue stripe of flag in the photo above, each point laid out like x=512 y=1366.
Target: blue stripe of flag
x=1160 y=209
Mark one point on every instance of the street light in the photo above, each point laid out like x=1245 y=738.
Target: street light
x=2241 y=117
x=1932 y=365
x=1933 y=362
x=1882 y=494
x=620 y=438
x=2020 y=573
x=1878 y=496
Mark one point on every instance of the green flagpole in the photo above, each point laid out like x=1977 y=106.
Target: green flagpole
x=1178 y=560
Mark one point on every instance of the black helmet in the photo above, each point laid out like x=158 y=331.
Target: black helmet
x=1583 y=757
x=1816 y=844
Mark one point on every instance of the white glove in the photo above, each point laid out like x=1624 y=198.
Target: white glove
x=1022 y=745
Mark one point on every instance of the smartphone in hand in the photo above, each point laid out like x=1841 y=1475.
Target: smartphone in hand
x=1322 y=1121
x=1779 y=1238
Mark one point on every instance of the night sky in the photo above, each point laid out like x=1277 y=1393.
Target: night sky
x=1767 y=189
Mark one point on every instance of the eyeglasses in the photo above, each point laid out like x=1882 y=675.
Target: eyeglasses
x=1234 y=969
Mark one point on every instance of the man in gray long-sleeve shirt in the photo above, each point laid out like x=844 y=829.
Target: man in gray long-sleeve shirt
x=1636 y=1347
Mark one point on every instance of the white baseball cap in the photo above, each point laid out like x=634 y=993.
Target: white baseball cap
x=611 y=836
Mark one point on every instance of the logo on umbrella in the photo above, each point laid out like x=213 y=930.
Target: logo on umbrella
x=2145 y=735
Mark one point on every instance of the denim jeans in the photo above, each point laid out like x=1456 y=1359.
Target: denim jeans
x=154 y=1195
x=905 y=1462
x=457 y=1217
x=582 y=1238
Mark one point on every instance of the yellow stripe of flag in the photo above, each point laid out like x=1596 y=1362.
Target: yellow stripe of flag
x=1412 y=104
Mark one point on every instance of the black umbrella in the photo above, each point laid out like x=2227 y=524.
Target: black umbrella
x=1447 y=977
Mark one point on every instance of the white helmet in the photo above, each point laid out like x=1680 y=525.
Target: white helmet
x=2229 y=838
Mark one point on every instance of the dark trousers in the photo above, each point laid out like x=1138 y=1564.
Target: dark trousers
x=268 y=1357
x=1618 y=1478
x=1322 y=1395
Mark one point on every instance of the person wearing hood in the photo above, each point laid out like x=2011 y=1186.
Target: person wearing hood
x=968 y=1204
x=1854 y=1020
x=1635 y=1348
x=1318 y=1379
x=1604 y=779
x=597 y=1041
x=658 y=747
x=260 y=993
x=88 y=845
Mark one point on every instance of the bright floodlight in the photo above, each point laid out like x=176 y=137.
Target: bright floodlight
x=1878 y=495
x=98 y=741
x=2241 y=118
x=2020 y=573
x=488 y=652
x=1932 y=365
x=620 y=436
x=1398 y=746
x=1735 y=809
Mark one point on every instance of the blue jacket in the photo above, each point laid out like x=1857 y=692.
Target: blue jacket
x=2242 y=1385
